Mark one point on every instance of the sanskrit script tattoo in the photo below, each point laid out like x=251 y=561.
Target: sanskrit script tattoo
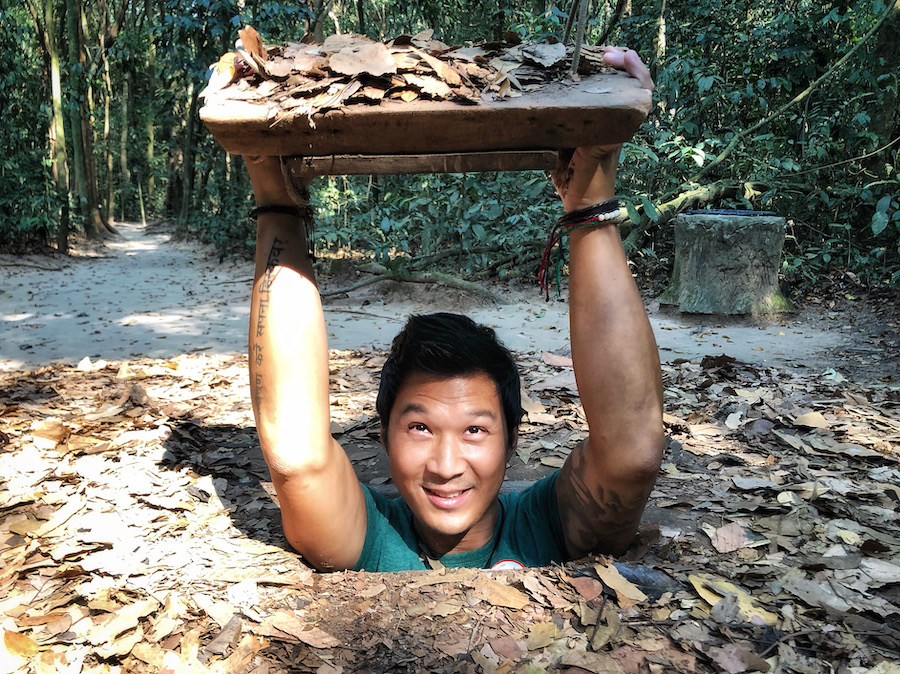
x=598 y=520
x=262 y=308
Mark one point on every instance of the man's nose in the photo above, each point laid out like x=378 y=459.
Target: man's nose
x=446 y=460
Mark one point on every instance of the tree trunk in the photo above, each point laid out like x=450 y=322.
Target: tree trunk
x=189 y=154
x=73 y=30
x=333 y=15
x=151 y=127
x=320 y=11
x=361 y=16
x=82 y=142
x=46 y=26
x=123 y=152
x=174 y=184
x=98 y=223
x=886 y=118
x=661 y=33
x=87 y=189
x=87 y=118
x=107 y=145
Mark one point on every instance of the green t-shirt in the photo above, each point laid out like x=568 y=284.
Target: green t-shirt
x=528 y=533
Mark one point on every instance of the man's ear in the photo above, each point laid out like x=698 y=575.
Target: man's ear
x=513 y=443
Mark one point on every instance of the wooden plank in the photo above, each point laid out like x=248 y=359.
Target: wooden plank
x=458 y=162
x=600 y=109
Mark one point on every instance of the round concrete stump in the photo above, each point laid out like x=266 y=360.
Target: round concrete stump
x=726 y=262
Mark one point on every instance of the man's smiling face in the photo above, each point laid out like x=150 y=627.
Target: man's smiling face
x=447 y=449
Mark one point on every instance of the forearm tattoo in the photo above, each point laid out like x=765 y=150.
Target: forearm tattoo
x=562 y=176
x=599 y=521
x=262 y=308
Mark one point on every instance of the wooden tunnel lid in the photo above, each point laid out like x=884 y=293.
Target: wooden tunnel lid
x=599 y=109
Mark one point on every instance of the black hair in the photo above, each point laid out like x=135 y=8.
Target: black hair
x=451 y=345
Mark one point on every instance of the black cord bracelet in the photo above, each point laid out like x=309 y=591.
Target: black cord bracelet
x=274 y=208
x=604 y=208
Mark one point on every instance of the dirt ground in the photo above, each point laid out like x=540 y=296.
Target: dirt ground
x=145 y=296
x=138 y=532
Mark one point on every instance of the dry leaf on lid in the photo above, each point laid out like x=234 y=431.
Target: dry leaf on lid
x=546 y=55
x=627 y=592
x=335 y=43
x=430 y=86
x=443 y=70
x=252 y=42
x=371 y=58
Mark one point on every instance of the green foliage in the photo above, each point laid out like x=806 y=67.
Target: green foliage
x=537 y=26
x=827 y=162
x=28 y=205
x=482 y=218
x=724 y=71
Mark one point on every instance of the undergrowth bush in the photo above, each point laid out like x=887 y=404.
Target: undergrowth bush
x=488 y=221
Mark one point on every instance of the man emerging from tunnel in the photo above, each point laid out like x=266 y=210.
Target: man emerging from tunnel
x=449 y=404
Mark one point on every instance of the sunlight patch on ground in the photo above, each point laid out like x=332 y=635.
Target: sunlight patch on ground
x=134 y=247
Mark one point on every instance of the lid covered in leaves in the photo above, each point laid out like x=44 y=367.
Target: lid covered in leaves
x=411 y=95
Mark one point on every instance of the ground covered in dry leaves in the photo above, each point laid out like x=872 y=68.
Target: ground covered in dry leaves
x=137 y=534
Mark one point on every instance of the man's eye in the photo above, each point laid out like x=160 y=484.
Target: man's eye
x=475 y=429
x=418 y=427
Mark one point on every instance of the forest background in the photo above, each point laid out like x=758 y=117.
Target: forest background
x=788 y=105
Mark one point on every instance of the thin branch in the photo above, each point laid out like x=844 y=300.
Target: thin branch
x=895 y=6
x=668 y=210
x=421 y=261
x=329 y=308
x=570 y=21
x=613 y=21
x=432 y=278
x=27 y=264
x=847 y=161
x=579 y=36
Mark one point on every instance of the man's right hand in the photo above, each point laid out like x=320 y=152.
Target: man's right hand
x=586 y=175
x=289 y=371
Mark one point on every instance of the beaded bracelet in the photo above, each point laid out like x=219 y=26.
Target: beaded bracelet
x=599 y=214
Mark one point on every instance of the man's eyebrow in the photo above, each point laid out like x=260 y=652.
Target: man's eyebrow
x=412 y=407
x=490 y=414
x=418 y=408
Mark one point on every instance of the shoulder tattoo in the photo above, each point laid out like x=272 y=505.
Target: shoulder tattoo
x=598 y=519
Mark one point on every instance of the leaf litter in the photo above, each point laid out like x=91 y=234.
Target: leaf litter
x=302 y=79
x=138 y=532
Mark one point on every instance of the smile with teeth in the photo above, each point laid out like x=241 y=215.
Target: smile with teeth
x=446 y=499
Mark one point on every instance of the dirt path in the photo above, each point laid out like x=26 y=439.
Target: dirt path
x=147 y=296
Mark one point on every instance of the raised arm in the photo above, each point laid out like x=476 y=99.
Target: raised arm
x=322 y=505
x=604 y=484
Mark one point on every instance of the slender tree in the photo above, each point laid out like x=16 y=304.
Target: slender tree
x=46 y=24
x=886 y=118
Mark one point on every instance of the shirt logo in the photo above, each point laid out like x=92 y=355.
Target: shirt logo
x=508 y=564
